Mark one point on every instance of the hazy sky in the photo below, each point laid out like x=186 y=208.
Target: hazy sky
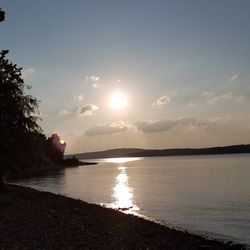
x=183 y=67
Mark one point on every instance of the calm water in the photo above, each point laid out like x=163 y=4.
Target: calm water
x=203 y=194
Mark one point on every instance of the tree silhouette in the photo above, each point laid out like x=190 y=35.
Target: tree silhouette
x=2 y=15
x=56 y=148
x=18 y=116
x=23 y=146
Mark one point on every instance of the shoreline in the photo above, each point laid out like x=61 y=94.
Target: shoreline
x=32 y=219
x=13 y=176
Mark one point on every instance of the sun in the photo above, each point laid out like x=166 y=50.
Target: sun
x=62 y=141
x=118 y=101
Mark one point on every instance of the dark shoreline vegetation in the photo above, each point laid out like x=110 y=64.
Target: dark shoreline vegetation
x=32 y=219
x=138 y=152
x=33 y=172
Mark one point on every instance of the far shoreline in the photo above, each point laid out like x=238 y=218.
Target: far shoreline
x=139 y=152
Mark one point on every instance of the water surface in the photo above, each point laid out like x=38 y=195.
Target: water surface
x=209 y=195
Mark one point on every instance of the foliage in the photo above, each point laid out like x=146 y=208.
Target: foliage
x=19 y=112
x=18 y=115
x=23 y=146
x=56 y=148
x=2 y=15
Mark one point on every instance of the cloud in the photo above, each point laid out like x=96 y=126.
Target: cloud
x=87 y=110
x=113 y=128
x=27 y=72
x=94 y=81
x=80 y=97
x=231 y=81
x=169 y=124
x=234 y=77
x=161 y=101
x=153 y=126
x=208 y=94
x=63 y=112
x=213 y=99
x=222 y=120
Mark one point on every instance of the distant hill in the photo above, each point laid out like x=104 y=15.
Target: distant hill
x=137 y=152
x=120 y=152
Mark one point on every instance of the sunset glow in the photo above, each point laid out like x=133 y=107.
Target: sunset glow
x=118 y=101
x=128 y=80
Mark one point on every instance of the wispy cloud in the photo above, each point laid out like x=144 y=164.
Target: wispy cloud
x=79 y=97
x=212 y=98
x=208 y=94
x=234 y=77
x=27 y=72
x=63 y=112
x=231 y=81
x=94 y=81
x=157 y=126
x=163 y=100
x=168 y=124
x=108 y=129
x=220 y=119
x=87 y=110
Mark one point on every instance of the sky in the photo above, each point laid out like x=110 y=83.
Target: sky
x=181 y=69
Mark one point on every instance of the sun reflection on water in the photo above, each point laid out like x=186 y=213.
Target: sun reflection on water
x=123 y=194
x=121 y=160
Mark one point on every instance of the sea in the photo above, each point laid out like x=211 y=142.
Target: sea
x=207 y=195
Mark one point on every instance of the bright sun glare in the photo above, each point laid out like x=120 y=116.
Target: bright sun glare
x=61 y=141
x=118 y=101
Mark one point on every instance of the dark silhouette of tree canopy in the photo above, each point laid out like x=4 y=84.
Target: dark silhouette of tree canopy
x=18 y=115
x=2 y=15
x=19 y=112
x=23 y=146
x=56 y=148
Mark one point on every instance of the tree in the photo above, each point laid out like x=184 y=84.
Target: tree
x=23 y=146
x=18 y=116
x=2 y=15
x=56 y=148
